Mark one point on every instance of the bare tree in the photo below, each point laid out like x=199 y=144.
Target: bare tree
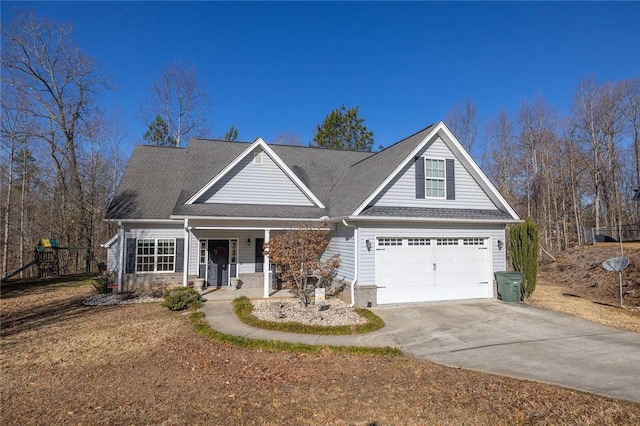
x=41 y=62
x=464 y=122
x=180 y=100
x=503 y=167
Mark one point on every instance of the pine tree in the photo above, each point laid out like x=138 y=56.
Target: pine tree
x=343 y=129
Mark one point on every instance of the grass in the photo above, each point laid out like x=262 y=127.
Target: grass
x=201 y=327
x=244 y=310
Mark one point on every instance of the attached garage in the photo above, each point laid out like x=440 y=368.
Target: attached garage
x=420 y=269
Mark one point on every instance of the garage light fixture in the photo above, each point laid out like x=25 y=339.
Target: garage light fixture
x=248 y=241
x=368 y=244
x=500 y=244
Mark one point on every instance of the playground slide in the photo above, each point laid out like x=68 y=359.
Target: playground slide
x=16 y=272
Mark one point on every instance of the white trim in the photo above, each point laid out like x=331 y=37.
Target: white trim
x=444 y=179
x=185 y=253
x=441 y=127
x=249 y=228
x=160 y=221
x=276 y=159
x=231 y=218
x=397 y=170
x=429 y=219
x=109 y=243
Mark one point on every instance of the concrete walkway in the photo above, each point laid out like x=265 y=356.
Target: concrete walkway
x=512 y=339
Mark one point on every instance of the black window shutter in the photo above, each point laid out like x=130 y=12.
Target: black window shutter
x=451 y=180
x=259 y=258
x=130 y=254
x=420 y=182
x=179 y=265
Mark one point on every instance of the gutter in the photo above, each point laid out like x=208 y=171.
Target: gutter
x=355 y=262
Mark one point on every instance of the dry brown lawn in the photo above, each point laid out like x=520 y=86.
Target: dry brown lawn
x=64 y=363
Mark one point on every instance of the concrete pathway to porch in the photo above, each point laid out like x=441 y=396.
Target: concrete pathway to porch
x=228 y=293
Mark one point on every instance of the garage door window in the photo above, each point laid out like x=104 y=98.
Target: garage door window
x=419 y=241
x=386 y=242
x=447 y=241
x=473 y=241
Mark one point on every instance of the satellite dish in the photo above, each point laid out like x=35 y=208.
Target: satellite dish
x=616 y=264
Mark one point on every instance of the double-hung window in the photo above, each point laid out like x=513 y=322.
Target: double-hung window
x=155 y=255
x=435 y=178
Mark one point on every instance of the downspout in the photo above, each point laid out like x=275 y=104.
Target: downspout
x=122 y=241
x=355 y=262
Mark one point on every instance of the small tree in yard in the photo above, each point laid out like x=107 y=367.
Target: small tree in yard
x=298 y=252
x=525 y=246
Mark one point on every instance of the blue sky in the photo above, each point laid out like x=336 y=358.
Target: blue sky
x=271 y=67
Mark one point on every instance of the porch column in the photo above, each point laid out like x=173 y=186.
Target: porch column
x=121 y=244
x=266 y=270
x=187 y=243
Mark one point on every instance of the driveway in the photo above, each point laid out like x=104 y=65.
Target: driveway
x=518 y=340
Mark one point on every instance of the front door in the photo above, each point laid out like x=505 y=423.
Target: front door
x=218 y=267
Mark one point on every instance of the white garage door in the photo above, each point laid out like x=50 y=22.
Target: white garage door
x=429 y=269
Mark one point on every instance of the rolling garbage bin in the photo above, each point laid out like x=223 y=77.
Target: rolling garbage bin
x=509 y=286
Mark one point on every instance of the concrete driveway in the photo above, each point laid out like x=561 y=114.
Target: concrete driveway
x=518 y=340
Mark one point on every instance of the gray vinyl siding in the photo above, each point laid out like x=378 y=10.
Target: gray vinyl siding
x=341 y=242
x=156 y=231
x=113 y=253
x=249 y=183
x=401 y=192
x=366 y=273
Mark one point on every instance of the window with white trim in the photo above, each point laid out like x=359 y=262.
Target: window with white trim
x=389 y=242
x=447 y=241
x=203 y=251
x=435 y=178
x=155 y=255
x=473 y=241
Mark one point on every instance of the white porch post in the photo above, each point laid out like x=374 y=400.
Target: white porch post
x=121 y=263
x=187 y=243
x=266 y=270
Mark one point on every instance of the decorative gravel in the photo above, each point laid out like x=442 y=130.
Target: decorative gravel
x=117 y=299
x=333 y=312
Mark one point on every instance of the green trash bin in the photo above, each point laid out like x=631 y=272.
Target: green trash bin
x=509 y=285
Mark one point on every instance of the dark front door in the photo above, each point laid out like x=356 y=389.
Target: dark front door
x=218 y=266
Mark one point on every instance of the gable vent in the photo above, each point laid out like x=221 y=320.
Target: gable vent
x=257 y=158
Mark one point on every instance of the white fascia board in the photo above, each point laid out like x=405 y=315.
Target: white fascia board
x=485 y=180
x=441 y=127
x=290 y=173
x=110 y=242
x=262 y=144
x=223 y=172
x=249 y=228
x=280 y=219
x=159 y=221
x=397 y=170
x=429 y=219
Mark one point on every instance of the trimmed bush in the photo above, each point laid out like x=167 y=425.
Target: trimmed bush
x=180 y=298
x=524 y=254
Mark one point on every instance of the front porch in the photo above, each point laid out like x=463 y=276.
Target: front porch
x=228 y=293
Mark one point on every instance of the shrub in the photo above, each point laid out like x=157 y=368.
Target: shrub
x=524 y=254
x=181 y=298
x=101 y=282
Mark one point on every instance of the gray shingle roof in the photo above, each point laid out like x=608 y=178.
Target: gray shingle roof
x=439 y=213
x=159 y=180
x=150 y=185
x=365 y=176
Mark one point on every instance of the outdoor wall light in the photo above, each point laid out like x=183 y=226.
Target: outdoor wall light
x=248 y=241
x=368 y=244
x=500 y=244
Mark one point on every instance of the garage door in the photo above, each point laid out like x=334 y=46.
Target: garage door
x=428 y=269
